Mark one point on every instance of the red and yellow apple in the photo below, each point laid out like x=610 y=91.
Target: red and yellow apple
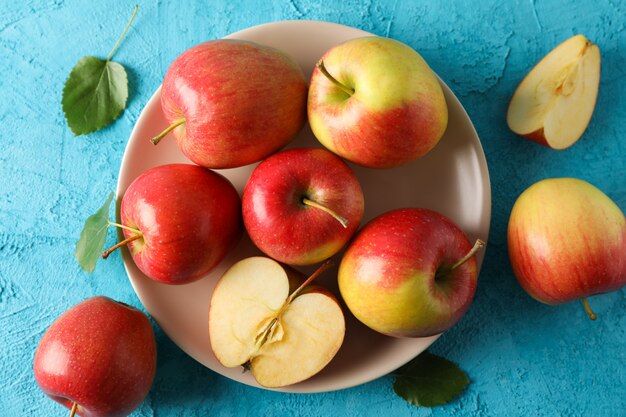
x=267 y=318
x=301 y=206
x=409 y=273
x=567 y=240
x=231 y=103
x=376 y=102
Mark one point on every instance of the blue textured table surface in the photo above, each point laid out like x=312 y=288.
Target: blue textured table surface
x=523 y=358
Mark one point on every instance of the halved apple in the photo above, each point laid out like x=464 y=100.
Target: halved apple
x=553 y=104
x=265 y=318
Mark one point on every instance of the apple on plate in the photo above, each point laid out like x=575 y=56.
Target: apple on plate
x=567 y=240
x=553 y=104
x=180 y=221
x=376 y=102
x=230 y=103
x=301 y=206
x=265 y=318
x=98 y=358
x=409 y=273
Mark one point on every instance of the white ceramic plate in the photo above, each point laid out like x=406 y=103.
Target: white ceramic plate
x=452 y=179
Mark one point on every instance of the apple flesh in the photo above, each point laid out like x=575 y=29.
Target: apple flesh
x=553 y=104
x=99 y=355
x=181 y=221
x=409 y=273
x=567 y=240
x=376 y=102
x=263 y=317
x=301 y=206
x=231 y=103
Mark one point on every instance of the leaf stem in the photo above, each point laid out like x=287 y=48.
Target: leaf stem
x=121 y=226
x=155 y=140
x=340 y=219
x=588 y=309
x=73 y=410
x=123 y=33
x=320 y=65
x=107 y=252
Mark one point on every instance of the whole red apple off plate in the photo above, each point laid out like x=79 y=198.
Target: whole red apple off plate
x=452 y=179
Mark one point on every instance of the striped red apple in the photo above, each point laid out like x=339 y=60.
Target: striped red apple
x=231 y=103
x=567 y=241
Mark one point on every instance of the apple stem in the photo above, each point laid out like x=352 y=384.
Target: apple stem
x=121 y=226
x=123 y=33
x=340 y=219
x=446 y=270
x=73 y=410
x=155 y=140
x=477 y=246
x=320 y=65
x=310 y=279
x=588 y=309
x=107 y=252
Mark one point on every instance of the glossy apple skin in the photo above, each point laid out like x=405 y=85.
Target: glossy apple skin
x=190 y=218
x=281 y=225
x=397 y=113
x=241 y=102
x=100 y=354
x=387 y=275
x=567 y=240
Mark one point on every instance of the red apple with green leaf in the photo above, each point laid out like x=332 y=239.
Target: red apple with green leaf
x=179 y=221
x=231 y=103
x=409 y=273
x=376 y=102
x=98 y=358
x=567 y=241
x=301 y=206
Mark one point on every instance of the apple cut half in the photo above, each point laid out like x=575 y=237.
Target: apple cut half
x=266 y=318
x=553 y=104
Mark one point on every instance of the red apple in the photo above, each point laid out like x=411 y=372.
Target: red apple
x=301 y=206
x=99 y=355
x=567 y=240
x=409 y=273
x=376 y=102
x=181 y=220
x=231 y=102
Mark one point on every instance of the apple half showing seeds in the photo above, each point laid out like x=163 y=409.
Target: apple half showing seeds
x=553 y=104
x=265 y=317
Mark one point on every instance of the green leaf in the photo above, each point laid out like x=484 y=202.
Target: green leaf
x=96 y=91
x=93 y=237
x=429 y=380
x=94 y=95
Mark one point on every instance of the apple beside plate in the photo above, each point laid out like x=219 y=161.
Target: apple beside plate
x=452 y=179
